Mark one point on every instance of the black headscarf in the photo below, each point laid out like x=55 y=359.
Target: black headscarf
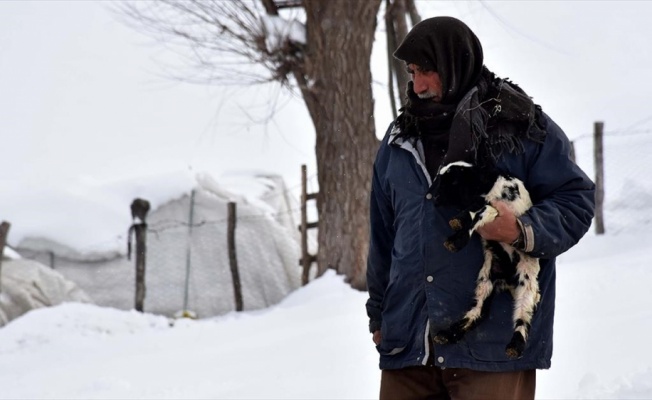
x=447 y=46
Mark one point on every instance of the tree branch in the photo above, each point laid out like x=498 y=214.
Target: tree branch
x=415 y=17
x=227 y=40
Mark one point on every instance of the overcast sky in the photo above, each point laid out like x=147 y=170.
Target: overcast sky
x=84 y=105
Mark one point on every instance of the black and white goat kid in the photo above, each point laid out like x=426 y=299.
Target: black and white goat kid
x=505 y=267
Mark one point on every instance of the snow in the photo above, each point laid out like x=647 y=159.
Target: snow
x=278 y=31
x=90 y=124
x=315 y=345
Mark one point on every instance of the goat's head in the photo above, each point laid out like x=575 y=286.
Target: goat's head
x=461 y=183
x=457 y=183
x=510 y=188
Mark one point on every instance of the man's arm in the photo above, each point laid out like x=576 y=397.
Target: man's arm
x=564 y=201
x=380 y=250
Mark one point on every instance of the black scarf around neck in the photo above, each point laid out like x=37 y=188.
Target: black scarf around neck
x=493 y=117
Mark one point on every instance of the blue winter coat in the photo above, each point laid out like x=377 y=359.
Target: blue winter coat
x=416 y=285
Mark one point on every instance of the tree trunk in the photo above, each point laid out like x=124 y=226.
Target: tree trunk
x=338 y=94
x=396 y=22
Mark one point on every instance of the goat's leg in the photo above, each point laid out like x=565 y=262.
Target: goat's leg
x=462 y=224
x=461 y=221
x=458 y=240
x=526 y=298
x=465 y=219
x=485 y=215
x=483 y=289
x=461 y=238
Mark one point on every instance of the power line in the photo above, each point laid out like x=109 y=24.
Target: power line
x=622 y=132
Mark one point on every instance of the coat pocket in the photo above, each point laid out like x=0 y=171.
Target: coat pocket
x=390 y=348
x=394 y=334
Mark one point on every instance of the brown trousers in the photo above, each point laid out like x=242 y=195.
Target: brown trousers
x=456 y=384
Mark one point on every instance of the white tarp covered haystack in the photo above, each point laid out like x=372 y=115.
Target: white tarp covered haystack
x=187 y=261
x=188 y=265
x=28 y=284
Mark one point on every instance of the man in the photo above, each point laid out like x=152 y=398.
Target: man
x=458 y=110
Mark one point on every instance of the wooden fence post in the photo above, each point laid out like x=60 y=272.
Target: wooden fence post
x=141 y=251
x=306 y=258
x=233 y=260
x=4 y=231
x=598 y=158
x=139 y=210
x=186 y=290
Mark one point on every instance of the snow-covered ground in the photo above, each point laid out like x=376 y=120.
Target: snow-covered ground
x=315 y=345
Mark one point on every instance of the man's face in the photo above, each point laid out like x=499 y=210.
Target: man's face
x=427 y=84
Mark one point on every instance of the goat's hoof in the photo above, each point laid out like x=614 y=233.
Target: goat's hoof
x=448 y=336
x=443 y=337
x=514 y=349
x=450 y=246
x=513 y=354
x=455 y=224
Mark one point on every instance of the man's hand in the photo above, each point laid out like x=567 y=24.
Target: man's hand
x=377 y=337
x=502 y=229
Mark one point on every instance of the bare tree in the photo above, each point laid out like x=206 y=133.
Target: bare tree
x=326 y=57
